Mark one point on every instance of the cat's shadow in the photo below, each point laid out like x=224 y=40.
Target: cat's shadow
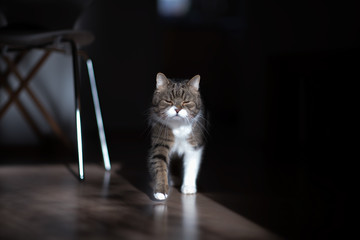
x=137 y=177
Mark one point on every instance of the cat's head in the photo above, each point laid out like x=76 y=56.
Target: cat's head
x=176 y=102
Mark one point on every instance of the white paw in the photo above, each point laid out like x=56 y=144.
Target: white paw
x=160 y=196
x=188 y=189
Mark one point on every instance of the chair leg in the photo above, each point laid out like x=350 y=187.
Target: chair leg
x=24 y=83
x=99 y=119
x=4 y=83
x=77 y=108
x=12 y=68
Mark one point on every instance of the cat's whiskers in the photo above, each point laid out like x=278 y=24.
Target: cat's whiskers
x=163 y=128
x=190 y=123
x=198 y=120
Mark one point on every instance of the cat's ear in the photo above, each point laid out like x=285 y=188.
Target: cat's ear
x=161 y=81
x=195 y=82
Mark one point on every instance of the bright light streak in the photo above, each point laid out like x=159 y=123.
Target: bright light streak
x=79 y=141
x=99 y=120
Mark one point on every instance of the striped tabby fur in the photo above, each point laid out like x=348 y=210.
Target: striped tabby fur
x=177 y=125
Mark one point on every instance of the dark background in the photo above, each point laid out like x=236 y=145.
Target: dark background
x=279 y=80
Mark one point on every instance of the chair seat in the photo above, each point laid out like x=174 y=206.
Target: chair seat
x=36 y=38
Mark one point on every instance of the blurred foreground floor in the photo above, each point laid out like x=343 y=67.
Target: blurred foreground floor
x=48 y=202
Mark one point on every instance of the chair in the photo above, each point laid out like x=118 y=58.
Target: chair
x=40 y=24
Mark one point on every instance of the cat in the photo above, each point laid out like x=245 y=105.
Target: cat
x=177 y=127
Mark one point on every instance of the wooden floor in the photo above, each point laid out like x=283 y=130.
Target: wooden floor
x=48 y=202
x=243 y=194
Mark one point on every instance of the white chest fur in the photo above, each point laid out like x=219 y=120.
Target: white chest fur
x=181 y=135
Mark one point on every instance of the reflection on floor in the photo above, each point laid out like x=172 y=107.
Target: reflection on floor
x=48 y=202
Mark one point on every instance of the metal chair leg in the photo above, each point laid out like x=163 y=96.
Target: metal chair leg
x=99 y=119
x=77 y=108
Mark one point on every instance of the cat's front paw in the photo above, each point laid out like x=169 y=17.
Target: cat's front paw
x=160 y=196
x=188 y=189
x=161 y=192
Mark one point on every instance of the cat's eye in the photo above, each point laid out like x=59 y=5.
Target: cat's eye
x=168 y=101
x=186 y=102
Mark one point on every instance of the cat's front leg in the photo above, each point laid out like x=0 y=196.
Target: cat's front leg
x=192 y=160
x=158 y=164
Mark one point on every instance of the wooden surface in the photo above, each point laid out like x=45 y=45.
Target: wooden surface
x=48 y=202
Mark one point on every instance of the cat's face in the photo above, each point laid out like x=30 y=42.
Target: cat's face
x=176 y=101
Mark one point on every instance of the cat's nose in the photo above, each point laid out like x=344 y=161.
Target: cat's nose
x=177 y=110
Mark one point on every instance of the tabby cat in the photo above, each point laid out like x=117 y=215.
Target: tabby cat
x=177 y=125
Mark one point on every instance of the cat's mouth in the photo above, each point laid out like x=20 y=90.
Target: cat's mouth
x=177 y=116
